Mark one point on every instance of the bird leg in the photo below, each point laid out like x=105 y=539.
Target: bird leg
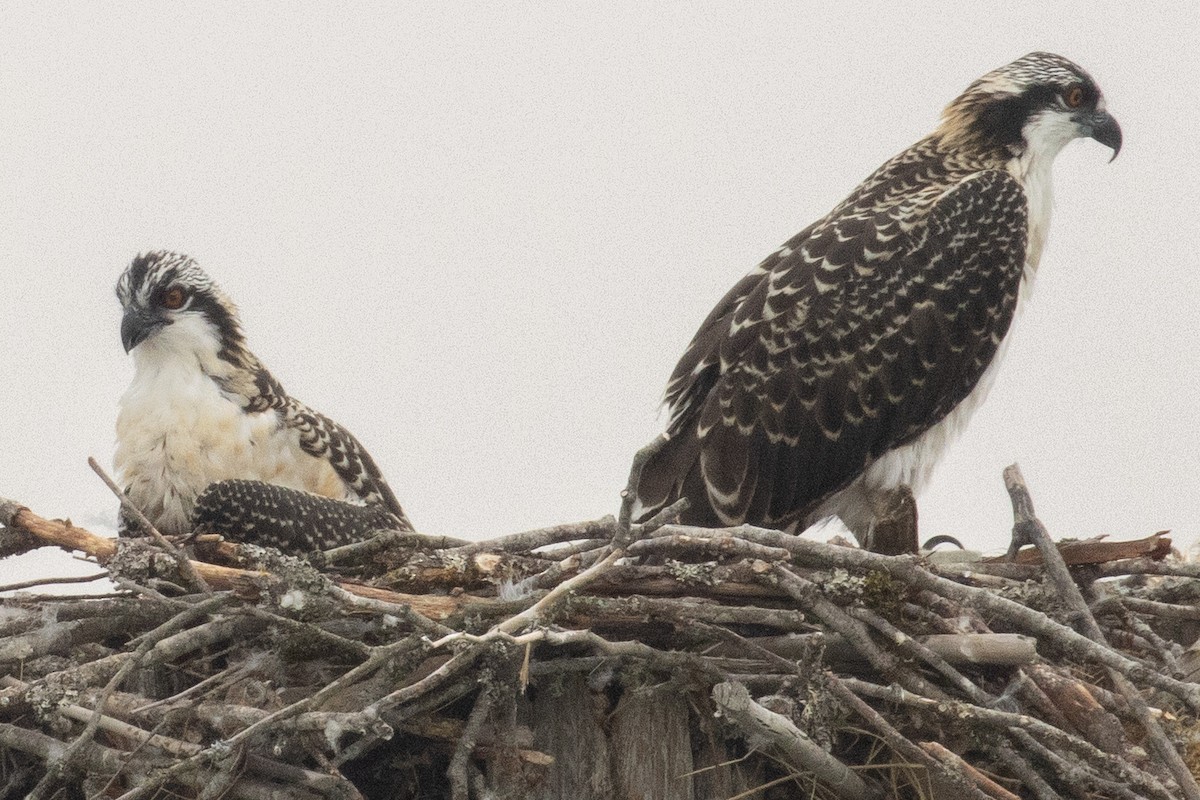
x=894 y=529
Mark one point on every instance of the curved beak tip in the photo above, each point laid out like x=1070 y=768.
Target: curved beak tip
x=129 y=336
x=1116 y=152
x=135 y=327
x=1107 y=131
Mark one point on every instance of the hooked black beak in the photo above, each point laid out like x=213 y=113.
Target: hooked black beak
x=136 y=325
x=1106 y=131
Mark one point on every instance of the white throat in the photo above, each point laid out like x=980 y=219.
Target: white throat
x=190 y=343
x=1045 y=134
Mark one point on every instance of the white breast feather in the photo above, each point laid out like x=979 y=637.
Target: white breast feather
x=177 y=432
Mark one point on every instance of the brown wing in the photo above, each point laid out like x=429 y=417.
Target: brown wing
x=288 y=519
x=856 y=337
x=322 y=437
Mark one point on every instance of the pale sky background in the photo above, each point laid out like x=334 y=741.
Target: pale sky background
x=480 y=237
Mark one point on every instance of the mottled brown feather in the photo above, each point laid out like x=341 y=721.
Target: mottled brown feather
x=862 y=332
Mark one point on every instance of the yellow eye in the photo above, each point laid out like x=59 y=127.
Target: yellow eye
x=174 y=299
x=1073 y=96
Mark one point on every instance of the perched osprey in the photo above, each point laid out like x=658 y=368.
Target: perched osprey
x=202 y=409
x=840 y=368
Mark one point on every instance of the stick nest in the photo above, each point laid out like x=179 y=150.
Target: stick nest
x=603 y=660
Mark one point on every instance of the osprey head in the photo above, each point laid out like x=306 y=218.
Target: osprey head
x=1035 y=105
x=169 y=301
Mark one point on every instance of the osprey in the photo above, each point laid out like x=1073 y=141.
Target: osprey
x=839 y=369
x=203 y=409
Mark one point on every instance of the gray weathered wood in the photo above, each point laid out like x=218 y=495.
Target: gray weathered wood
x=797 y=749
x=720 y=770
x=651 y=747
x=566 y=726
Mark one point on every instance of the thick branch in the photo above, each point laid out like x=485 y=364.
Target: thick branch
x=71 y=537
x=798 y=750
x=1036 y=532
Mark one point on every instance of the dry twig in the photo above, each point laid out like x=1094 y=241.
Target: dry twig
x=287 y=682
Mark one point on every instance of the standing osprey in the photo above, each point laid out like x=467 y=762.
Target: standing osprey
x=202 y=409
x=840 y=368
